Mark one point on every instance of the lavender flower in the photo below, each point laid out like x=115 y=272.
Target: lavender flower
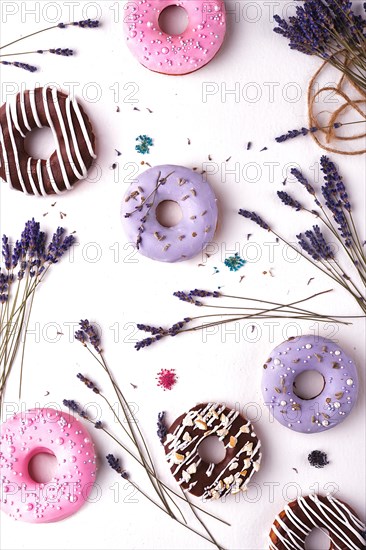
x=187 y=297
x=291 y=134
x=254 y=218
x=91 y=332
x=6 y=252
x=162 y=429
x=89 y=384
x=301 y=179
x=204 y=293
x=4 y=286
x=74 y=407
x=84 y=24
x=315 y=244
x=334 y=184
x=98 y=425
x=152 y=330
x=115 y=465
x=147 y=342
x=19 y=65
x=66 y=52
x=288 y=200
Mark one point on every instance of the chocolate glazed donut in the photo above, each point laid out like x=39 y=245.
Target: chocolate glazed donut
x=301 y=516
x=72 y=132
x=209 y=480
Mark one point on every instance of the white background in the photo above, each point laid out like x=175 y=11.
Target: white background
x=121 y=288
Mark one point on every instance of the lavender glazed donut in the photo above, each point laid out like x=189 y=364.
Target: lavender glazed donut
x=309 y=353
x=176 y=54
x=210 y=480
x=292 y=526
x=36 y=431
x=199 y=213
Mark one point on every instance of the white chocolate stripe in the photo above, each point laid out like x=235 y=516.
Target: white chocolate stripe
x=59 y=155
x=288 y=544
x=24 y=111
x=15 y=151
x=83 y=128
x=296 y=521
x=32 y=101
x=14 y=115
x=40 y=178
x=74 y=139
x=30 y=177
x=291 y=534
x=5 y=158
x=358 y=523
x=64 y=133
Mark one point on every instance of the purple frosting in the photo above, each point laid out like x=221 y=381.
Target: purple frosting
x=337 y=398
x=199 y=213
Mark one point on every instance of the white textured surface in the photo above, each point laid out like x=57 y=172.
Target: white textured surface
x=121 y=287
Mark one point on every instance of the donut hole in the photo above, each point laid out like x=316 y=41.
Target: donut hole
x=318 y=539
x=308 y=384
x=168 y=213
x=39 y=143
x=173 y=20
x=42 y=466
x=212 y=450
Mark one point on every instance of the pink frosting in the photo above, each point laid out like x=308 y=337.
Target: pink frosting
x=45 y=431
x=181 y=54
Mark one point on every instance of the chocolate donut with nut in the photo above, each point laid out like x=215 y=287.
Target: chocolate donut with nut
x=210 y=480
x=73 y=136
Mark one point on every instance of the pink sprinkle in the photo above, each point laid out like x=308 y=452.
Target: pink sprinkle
x=167 y=378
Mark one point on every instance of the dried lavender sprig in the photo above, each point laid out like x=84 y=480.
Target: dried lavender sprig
x=162 y=428
x=20 y=65
x=88 y=334
x=89 y=384
x=114 y=463
x=66 y=52
x=75 y=407
x=281 y=311
x=254 y=218
x=84 y=24
x=289 y=201
x=291 y=134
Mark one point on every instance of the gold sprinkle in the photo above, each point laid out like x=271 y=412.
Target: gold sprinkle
x=181 y=237
x=269 y=360
x=204 y=212
x=296 y=360
x=140 y=189
x=194 y=234
x=328 y=400
x=339 y=395
x=278 y=390
x=181 y=181
x=325 y=349
x=265 y=366
x=296 y=407
x=313 y=419
x=244 y=473
x=319 y=357
x=326 y=415
x=166 y=247
x=336 y=366
x=194 y=192
x=185 y=197
x=179 y=457
x=193 y=218
x=208 y=229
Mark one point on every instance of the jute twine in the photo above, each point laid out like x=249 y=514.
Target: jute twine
x=330 y=133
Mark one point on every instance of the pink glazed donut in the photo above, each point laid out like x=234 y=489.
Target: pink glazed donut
x=36 y=431
x=175 y=54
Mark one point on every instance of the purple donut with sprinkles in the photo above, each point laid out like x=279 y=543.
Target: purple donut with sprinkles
x=309 y=353
x=198 y=205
